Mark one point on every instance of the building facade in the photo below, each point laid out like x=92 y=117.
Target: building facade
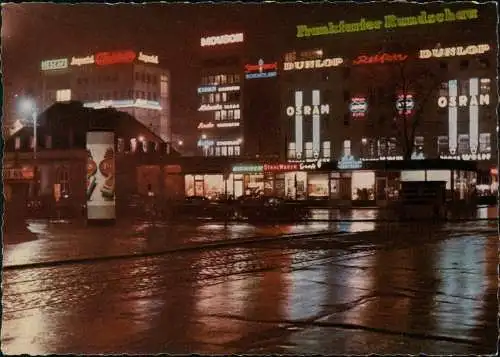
x=130 y=81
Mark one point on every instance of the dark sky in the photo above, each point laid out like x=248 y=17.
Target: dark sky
x=33 y=32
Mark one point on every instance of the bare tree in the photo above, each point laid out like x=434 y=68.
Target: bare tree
x=401 y=98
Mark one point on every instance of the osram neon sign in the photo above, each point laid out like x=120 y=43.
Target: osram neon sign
x=221 y=40
x=319 y=63
x=108 y=58
x=380 y=58
x=454 y=51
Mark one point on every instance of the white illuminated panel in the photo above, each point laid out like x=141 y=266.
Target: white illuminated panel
x=473 y=115
x=50 y=65
x=316 y=123
x=298 y=124
x=221 y=40
x=452 y=116
x=148 y=58
x=63 y=95
x=139 y=103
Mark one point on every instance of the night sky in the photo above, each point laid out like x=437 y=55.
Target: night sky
x=33 y=32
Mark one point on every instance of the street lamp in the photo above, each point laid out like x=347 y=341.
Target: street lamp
x=180 y=142
x=28 y=107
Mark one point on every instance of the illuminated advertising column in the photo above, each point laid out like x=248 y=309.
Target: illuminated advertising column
x=100 y=176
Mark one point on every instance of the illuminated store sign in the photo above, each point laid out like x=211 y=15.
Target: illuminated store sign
x=478 y=95
x=50 y=65
x=229 y=142
x=228 y=125
x=221 y=40
x=311 y=166
x=261 y=70
x=228 y=89
x=148 y=58
x=18 y=173
x=349 y=163
x=248 y=168
x=207 y=89
x=128 y=103
x=205 y=143
x=467 y=157
x=319 y=63
x=390 y=22
x=385 y=158
x=454 y=51
x=80 y=61
x=205 y=125
x=358 y=107
x=108 y=58
x=280 y=167
x=298 y=111
x=409 y=105
x=211 y=107
x=380 y=58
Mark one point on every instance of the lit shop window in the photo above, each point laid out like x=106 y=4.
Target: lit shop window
x=217 y=115
x=236 y=151
x=347 y=147
x=133 y=145
x=291 y=150
x=442 y=144
x=463 y=144
x=230 y=151
x=485 y=142
x=63 y=179
x=237 y=114
x=17 y=143
x=309 y=150
x=63 y=95
x=382 y=147
x=326 y=149
x=223 y=114
x=392 y=145
x=419 y=142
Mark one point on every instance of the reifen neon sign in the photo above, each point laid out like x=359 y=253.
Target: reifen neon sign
x=380 y=58
x=108 y=58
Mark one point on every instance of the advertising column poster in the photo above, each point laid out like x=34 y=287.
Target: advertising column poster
x=100 y=176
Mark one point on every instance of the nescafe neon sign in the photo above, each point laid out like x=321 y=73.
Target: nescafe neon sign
x=108 y=58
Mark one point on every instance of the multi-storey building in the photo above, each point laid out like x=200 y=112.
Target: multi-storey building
x=130 y=81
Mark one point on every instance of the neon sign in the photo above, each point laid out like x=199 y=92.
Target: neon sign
x=205 y=143
x=108 y=58
x=211 y=107
x=221 y=40
x=319 y=63
x=454 y=51
x=228 y=125
x=467 y=157
x=229 y=142
x=390 y=22
x=127 y=103
x=308 y=110
x=358 y=107
x=248 y=168
x=405 y=106
x=261 y=70
x=228 y=89
x=349 y=163
x=50 y=65
x=380 y=58
x=280 y=167
x=463 y=100
x=80 y=61
x=206 y=125
x=148 y=58
x=207 y=89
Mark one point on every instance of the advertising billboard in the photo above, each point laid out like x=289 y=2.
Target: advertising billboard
x=100 y=175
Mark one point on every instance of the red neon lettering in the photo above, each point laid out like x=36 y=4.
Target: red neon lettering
x=264 y=67
x=108 y=58
x=381 y=58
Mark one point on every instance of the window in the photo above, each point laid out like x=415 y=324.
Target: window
x=236 y=151
x=148 y=97
x=217 y=115
x=63 y=179
x=309 y=150
x=224 y=151
x=155 y=97
x=17 y=143
x=382 y=147
x=236 y=114
x=230 y=114
x=120 y=145
x=230 y=151
x=346 y=119
x=484 y=142
x=163 y=86
x=48 y=141
x=224 y=97
x=347 y=147
x=236 y=78
x=223 y=114
x=223 y=79
x=211 y=98
x=392 y=146
x=217 y=98
x=291 y=150
x=442 y=144
x=463 y=144
x=133 y=145
x=217 y=151
x=148 y=78
x=326 y=149
x=290 y=57
x=63 y=95
x=419 y=141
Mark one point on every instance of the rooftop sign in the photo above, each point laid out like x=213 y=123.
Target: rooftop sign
x=221 y=40
x=389 y=22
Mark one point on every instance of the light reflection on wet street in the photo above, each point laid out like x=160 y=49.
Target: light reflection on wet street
x=403 y=293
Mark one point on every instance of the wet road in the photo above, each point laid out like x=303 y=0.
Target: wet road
x=412 y=289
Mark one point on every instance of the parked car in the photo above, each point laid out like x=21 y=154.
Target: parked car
x=266 y=208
